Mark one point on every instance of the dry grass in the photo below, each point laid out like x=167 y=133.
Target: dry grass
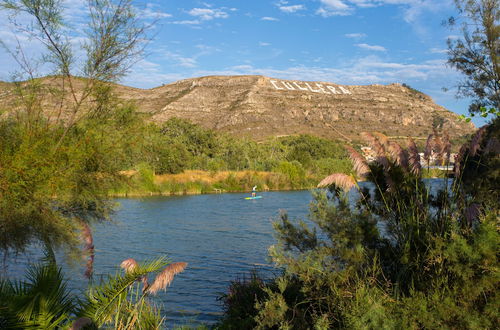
x=206 y=177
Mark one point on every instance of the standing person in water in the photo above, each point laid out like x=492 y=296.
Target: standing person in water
x=254 y=191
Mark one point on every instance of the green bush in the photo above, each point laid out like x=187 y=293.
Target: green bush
x=399 y=256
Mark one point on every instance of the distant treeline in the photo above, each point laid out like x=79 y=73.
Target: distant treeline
x=178 y=145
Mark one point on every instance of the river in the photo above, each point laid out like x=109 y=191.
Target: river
x=222 y=237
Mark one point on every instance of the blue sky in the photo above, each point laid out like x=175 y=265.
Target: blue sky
x=352 y=42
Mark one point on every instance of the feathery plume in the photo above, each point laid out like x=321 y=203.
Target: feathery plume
x=492 y=146
x=429 y=146
x=358 y=162
x=346 y=182
x=129 y=265
x=459 y=158
x=475 y=143
x=399 y=155
x=382 y=138
x=379 y=149
x=414 y=157
x=472 y=213
x=88 y=249
x=81 y=323
x=445 y=148
x=166 y=277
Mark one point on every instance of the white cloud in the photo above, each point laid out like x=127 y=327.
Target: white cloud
x=335 y=4
x=207 y=14
x=355 y=35
x=267 y=18
x=333 y=8
x=264 y=44
x=372 y=47
x=186 y=62
x=438 y=51
x=366 y=70
x=152 y=12
x=187 y=22
x=292 y=8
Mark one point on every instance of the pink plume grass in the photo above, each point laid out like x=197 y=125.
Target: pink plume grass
x=358 y=162
x=492 y=146
x=81 y=323
x=166 y=277
x=475 y=143
x=429 y=146
x=414 y=158
x=346 y=182
x=88 y=249
x=399 y=155
x=129 y=265
x=379 y=149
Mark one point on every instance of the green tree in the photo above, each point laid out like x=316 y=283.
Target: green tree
x=476 y=55
x=58 y=162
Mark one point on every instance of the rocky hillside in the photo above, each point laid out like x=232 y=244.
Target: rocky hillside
x=258 y=107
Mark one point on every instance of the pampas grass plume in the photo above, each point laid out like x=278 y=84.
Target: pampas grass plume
x=129 y=265
x=358 y=162
x=346 y=182
x=81 y=323
x=166 y=277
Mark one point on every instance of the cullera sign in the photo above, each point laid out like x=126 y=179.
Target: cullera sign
x=317 y=88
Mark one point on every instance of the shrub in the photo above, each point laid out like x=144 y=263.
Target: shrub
x=400 y=255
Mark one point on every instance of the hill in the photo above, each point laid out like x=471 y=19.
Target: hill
x=259 y=107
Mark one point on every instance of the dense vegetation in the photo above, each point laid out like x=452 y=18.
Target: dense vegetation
x=178 y=145
x=399 y=255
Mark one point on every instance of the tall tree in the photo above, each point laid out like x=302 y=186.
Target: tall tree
x=58 y=162
x=476 y=54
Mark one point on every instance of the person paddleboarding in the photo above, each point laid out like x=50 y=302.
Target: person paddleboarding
x=254 y=191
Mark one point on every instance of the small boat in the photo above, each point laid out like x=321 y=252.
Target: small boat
x=255 y=197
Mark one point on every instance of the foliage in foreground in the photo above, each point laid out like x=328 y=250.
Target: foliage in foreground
x=43 y=301
x=399 y=255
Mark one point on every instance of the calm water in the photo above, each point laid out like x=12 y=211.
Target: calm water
x=222 y=237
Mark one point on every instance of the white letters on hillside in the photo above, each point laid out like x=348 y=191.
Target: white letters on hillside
x=304 y=86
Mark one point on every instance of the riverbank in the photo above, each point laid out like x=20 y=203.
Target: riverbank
x=196 y=182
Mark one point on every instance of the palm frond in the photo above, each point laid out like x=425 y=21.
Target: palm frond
x=42 y=300
x=101 y=300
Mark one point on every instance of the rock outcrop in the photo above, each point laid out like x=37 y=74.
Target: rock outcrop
x=259 y=107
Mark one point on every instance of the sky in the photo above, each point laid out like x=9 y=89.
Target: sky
x=350 y=42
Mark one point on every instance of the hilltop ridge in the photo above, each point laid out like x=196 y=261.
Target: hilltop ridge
x=259 y=107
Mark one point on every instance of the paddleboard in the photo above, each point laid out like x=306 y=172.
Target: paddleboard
x=256 y=197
